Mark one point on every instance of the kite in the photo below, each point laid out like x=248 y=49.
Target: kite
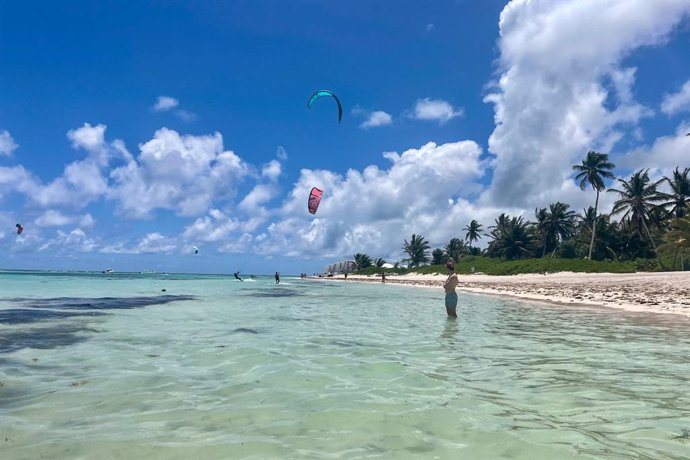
x=196 y=250
x=20 y=229
x=314 y=199
x=324 y=92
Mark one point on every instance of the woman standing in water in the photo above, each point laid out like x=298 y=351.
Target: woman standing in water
x=449 y=286
x=277 y=278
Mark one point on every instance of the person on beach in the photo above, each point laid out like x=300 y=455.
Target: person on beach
x=449 y=286
x=383 y=277
x=277 y=278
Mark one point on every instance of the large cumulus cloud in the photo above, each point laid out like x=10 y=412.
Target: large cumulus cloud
x=563 y=89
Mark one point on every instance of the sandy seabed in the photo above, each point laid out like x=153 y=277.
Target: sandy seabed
x=667 y=292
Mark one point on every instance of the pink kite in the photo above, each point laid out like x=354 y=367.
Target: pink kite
x=314 y=199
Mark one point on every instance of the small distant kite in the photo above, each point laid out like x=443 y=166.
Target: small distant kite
x=196 y=250
x=20 y=229
x=688 y=134
x=314 y=199
x=324 y=92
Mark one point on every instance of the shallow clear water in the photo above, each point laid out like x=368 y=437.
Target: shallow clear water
x=214 y=368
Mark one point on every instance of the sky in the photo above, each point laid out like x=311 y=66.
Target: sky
x=133 y=132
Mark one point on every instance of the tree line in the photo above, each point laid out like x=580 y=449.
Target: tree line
x=646 y=222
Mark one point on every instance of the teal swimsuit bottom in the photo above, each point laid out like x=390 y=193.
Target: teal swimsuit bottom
x=451 y=300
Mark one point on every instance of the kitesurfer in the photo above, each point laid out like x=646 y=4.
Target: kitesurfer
x=237 y=275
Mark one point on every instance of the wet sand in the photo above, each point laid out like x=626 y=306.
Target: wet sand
x=667 y=292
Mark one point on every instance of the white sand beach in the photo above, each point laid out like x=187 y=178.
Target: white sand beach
x=667 y=292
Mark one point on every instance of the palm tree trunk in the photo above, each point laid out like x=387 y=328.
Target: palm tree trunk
x=661 y=264
x=594 y=225
x=543 y=251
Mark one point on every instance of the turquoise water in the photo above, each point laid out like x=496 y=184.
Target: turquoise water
x=108 y=366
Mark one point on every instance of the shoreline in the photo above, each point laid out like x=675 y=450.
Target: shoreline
x=647 y=292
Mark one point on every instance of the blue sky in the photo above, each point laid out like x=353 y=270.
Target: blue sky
x=453 y=110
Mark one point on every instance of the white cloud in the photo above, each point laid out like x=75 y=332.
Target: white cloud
x=372 y=210
x=271 y=170
x=281 y=153
x=377 y=118
x=677 y=102
x=17 y=178
x=53 y=218
x=186 y=115
x=238 y=245
x=561 y=72
x=165 y=103
x=664 y=155
x=91 y=139
x=76 y=240
x=7 y=144
x=181 y=173
x=81 y=183
x=87 y=221
x=212 y=228
x=259 y=195
x=155 y=243
x=435 y=110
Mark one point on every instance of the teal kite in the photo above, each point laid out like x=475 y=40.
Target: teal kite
x=322 y=93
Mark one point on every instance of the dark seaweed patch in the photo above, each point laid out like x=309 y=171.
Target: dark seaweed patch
x=38 y=310
x=276 y=292
x=99 y=303
x=28 y=315
x=246 y=330
x=42 y=337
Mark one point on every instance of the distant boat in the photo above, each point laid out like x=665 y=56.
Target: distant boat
x=108 y=270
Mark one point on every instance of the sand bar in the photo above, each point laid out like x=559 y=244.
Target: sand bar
x=667 y=292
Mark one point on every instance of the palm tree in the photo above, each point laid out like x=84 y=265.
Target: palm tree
x=473 y=232
x=679 y=198
x=362 y=261
x=379 y=262
x=500 y=224
x=455 y=248
x=417 y=249
x=605 y=240
x=636 y=200
x=678 y=238
x=560 y=223
x=512 y=238
x=594 y=169
x=586 y=219
x=541 y=226
x=437 y=256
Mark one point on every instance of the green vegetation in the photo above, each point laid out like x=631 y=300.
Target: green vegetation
x=493 y=266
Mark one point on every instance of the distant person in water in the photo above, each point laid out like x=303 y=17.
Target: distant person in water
x=237 y=275
x=449 y=286
x=277 y=278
